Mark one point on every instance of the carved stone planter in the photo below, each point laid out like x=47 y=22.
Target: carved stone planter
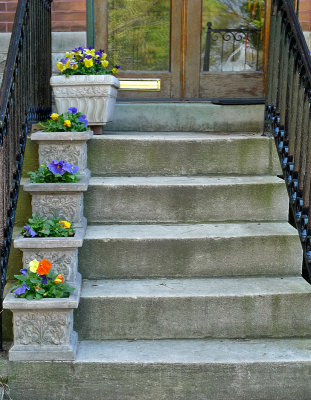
x=66 y=146
x=43 y=329
x=93 y=95
x=59 y=200
x=62 y=252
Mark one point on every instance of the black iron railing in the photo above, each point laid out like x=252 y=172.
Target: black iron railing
x=25 y=97
x=233 y=49
x=288 y=113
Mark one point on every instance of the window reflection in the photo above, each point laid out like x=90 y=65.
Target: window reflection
x=229 y=48
x=139 y=34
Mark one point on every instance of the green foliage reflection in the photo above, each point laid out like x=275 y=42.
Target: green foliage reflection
x=139 y=34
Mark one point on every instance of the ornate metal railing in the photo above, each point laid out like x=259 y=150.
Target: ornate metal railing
x=25 y=97
x=288 y=113
x=233 y=49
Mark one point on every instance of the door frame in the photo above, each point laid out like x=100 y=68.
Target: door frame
x=184 y=80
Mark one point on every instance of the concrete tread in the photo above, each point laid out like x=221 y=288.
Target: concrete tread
x=197 y=351
x=177 y=181
x=189 y=231
x=200 y=287
x=179 y=136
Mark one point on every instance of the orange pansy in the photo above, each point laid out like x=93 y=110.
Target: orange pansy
x=44 y=267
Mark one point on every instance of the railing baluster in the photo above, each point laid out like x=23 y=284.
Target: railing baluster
x=288 y=113
x=25 y=87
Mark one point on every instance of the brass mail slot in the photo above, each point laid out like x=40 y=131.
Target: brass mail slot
x=140 y=84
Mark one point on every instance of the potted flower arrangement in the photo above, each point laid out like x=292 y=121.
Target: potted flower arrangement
x=42 y=304
x=55 y=239
x=57 y=191
x=64 y=136
x=87 y=82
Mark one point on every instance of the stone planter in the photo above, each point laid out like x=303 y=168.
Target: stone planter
x=66 y=146
x=1 y=392
x=59 y=200
x=62 y=252
x=93 y=95
x=43 y=329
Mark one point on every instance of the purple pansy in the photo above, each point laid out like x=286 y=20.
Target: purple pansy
x=44 y=280
x=30 y=231
x=83 y=120
x=73 y=169
x=73 y=110
x=23 y=271
x=22 y=289
x=56 y=167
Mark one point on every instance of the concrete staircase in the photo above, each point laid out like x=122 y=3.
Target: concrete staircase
x=192 y=286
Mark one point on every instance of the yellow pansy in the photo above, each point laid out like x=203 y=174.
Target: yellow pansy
x=59 y=279
x=74 y=66
x=65 y=224
x=88 y=62
x=67 y=123
x=60 y=66
x=33 y=265
x=68 y=54
x=54 y=116
x=104 y=63
x=114 y=70
x=104 y=55
x=68 y=64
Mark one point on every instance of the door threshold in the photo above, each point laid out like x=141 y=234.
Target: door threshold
x=217 y=101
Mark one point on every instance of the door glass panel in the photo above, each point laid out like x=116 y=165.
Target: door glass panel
x=139 y=34
x=236 y=45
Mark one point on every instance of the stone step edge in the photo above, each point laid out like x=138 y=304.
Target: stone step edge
x=239 y=286
x=195 y=351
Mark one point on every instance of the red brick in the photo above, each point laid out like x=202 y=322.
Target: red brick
x=69 y=5
x=11 y=6
x=59 y=26
x=72 y=16
x=7 y=17
x=3 y=27
x=2 y=6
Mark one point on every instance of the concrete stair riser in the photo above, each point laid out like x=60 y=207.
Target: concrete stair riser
x=144 y=251
x=201 y=199
x=214 y=308
x=181 y=370
x=187 y=117
x=182 y=154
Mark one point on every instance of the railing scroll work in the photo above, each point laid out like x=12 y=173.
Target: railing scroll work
x=288 y=113
x=25 y=98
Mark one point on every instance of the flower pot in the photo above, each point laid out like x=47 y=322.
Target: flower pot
x=66 y=146
x=59 y=200
x=61 y=251
x=43 y=329
x=93 y=95
x=1 y=392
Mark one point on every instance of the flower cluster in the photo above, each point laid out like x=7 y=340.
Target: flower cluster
x=47 y=227
x=86 y=61
x=56 y=171
x=70 y=121
x=38 y=281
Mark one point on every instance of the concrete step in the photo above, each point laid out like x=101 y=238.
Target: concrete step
x=197 y=250
x=186 y=117
x=142 y=153
x=266 y=369
x=185 y=199
x=194 y=308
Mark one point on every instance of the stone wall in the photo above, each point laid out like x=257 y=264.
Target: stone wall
x=67 y=15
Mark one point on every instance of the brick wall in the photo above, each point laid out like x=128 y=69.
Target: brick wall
x=70 y=15
x=67 y=15
x=305 y=14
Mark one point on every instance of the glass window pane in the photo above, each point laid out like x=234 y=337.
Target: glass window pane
x=238 y=50
x=139 y=34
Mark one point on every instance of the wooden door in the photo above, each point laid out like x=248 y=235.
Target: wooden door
x=166 y=41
